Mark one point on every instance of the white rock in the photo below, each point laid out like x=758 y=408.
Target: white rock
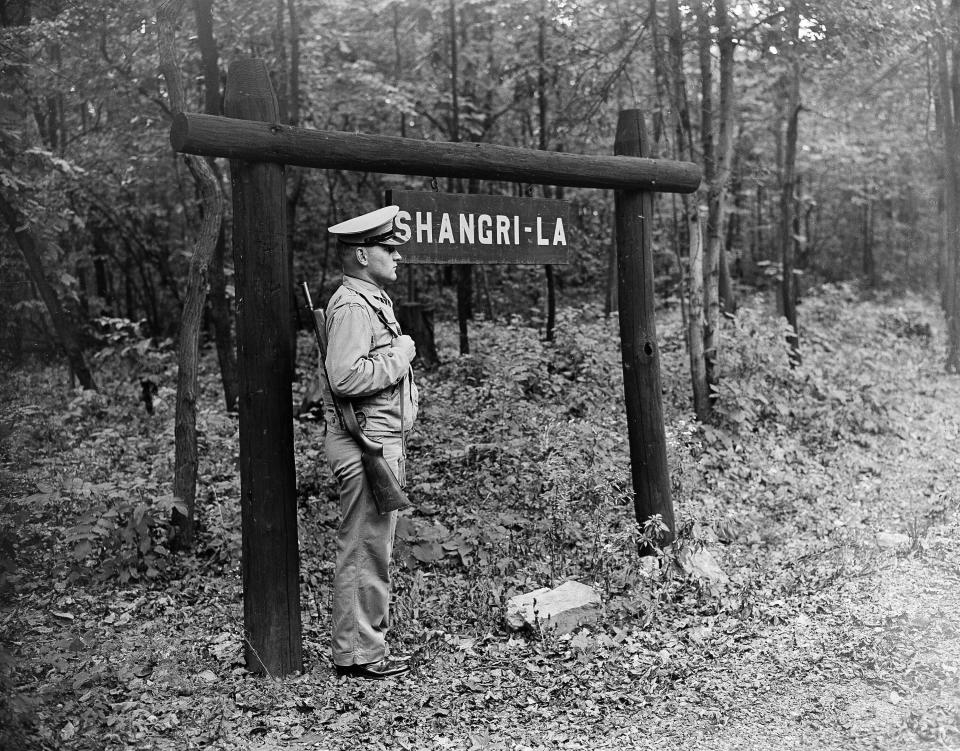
x=561 y=609
x=702 y=565
x=886 y=540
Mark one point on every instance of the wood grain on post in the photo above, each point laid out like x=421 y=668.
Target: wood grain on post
x=638 y=337
x=210 y=135
x=270 y=563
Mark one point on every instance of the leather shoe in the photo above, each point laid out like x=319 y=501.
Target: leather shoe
x=385 y=668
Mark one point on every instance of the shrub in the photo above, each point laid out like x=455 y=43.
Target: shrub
x=124 y=538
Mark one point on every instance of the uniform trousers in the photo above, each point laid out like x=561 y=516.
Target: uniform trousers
x=361 y=581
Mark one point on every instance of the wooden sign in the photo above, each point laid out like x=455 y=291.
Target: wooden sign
x=472 y=228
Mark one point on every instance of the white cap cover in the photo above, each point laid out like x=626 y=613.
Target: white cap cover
x=372 y=228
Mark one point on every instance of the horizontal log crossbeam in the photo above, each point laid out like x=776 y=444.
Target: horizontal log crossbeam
x=251 y=141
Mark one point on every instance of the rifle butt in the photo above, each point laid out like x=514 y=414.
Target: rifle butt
x=387 y=493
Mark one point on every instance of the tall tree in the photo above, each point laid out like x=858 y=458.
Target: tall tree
x=185 y=422
x=220 y=316
x=947 y=47
x=715 y=137
x=683 y=129
x=789 y=124
x=287 y=50
x=714 y=188
x=725 y=127
x=464 y=271
x=543 y=120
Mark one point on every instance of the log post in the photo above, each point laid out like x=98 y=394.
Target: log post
x=270 y=559
x=638 y=337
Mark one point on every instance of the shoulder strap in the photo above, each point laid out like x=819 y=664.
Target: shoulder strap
x=393 y=328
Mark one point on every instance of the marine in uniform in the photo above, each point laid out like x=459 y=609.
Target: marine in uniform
x=368 y=361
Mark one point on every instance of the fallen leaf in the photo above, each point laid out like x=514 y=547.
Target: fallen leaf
x=68 y=731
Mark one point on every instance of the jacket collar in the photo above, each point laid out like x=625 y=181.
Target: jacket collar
x=366 y=288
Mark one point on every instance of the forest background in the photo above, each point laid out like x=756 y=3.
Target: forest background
x=828 y=137
x=821 y=129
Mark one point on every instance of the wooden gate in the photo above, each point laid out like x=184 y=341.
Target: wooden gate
x=259 y=147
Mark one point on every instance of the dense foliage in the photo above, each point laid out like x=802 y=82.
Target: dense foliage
x=87 y=165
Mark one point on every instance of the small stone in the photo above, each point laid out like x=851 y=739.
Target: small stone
x=702 y=565
x=561 y=609
x=888 y=540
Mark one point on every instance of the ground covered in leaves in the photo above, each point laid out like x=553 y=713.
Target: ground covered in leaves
x=826 y=494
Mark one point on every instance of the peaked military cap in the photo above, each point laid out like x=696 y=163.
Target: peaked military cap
x=373 y=228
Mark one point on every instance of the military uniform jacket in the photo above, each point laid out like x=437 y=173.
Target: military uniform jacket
x=363 y=365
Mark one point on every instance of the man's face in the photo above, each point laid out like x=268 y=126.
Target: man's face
x=382 y=264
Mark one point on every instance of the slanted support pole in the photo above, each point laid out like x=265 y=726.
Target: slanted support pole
x=638 y=337
x=270 y=562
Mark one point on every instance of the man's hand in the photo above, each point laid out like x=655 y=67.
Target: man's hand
x=404 y=344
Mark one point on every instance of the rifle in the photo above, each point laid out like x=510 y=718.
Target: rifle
x=387 y=493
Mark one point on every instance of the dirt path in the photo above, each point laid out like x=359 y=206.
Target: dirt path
x=873 y=659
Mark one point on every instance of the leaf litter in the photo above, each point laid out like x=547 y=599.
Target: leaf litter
x=812 y=600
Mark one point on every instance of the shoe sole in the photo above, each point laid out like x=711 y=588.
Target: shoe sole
x=348 y=673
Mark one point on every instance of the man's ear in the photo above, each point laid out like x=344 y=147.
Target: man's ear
x=361 y=255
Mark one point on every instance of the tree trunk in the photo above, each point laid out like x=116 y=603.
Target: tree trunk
x=464 y=304
x=695 y=294
x=220 y=313
x=947 y=52
x=63 y=326
x=188 y=354
x=294 y=91
x=695 y=324
x=464 y=271
x=869 y=261
x=728 y=298
x=289 y=103
x=661 y=83
x=791 y=111
x=488 y=310
x=714 y=184
x=716 y=158
x=726 y=45
x=542 y=118
x=208 y=56
x=757 y=237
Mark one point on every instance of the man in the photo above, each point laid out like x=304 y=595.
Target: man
x=368 y=361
